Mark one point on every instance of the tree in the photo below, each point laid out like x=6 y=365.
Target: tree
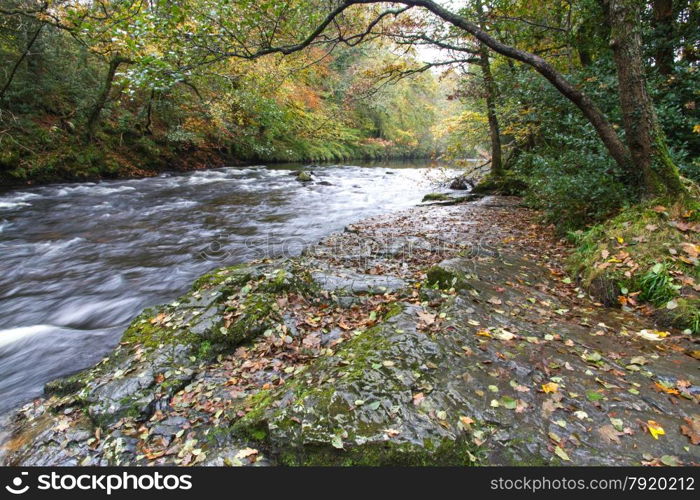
x=490 y=90
x=663 y=28
x=644 y=136
x=644 y=158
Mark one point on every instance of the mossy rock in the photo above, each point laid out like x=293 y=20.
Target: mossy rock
x=452 y=273
x=165 y=345
x=356 y=408
x=436 y=197
x=304 y=176
x=652 y=236
x=508 y=185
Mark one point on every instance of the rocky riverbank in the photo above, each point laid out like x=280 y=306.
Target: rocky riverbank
x=444 y=335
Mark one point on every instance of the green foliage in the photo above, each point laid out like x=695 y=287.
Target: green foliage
x=170 y=99
x=656 y=285
x=644 y=253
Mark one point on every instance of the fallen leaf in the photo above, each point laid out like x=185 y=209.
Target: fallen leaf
x=692 y=429
x=509 y=403
x=467 y=421
x=550 y=387
x=426 y=317
x=337 y=442
x=655 y=429
x=246 y=452
x=558 y=451
x=418 y=398
x=664 y=388
x=609 y=433
x=670 y=460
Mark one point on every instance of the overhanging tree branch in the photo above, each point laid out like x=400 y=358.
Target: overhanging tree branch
x=591 y=111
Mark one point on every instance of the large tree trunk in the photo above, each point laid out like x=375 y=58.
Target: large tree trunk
x=663 y=35
x=494 y=130
x=490 y=90
x=645 y=139
x=94 y=118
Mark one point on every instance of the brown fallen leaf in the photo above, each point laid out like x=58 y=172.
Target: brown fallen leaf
x=690 y=249
x=549 y=406
x=609 y=433
x=418 y=398
x=426 y=317
x=692 y=429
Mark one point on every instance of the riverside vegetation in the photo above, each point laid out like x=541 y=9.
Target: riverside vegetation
x=557 y=326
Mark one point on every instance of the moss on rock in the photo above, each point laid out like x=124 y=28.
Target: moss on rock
x=509 y=184
x=437 y=197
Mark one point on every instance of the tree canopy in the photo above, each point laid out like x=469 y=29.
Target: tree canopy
x=330 y=79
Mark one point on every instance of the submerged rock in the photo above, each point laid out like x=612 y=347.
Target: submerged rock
x=436 y=197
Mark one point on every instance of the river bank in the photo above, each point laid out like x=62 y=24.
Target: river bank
x=37 y=161
x=81 y=260
x=441 y=334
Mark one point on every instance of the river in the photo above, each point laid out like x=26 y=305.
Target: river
x=79 y=261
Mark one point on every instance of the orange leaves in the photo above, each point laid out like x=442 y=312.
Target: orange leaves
x=160 y=319
x=666 y=389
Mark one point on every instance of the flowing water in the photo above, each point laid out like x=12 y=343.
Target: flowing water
x=79 y=261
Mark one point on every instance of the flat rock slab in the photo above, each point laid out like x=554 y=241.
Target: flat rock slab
x=353 y=282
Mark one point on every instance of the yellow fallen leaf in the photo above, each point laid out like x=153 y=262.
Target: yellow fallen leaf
x=561 y=454
x=246 y=452
x=483 y=333
x=655 y=429
x=620 y=240
x=550 y=387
